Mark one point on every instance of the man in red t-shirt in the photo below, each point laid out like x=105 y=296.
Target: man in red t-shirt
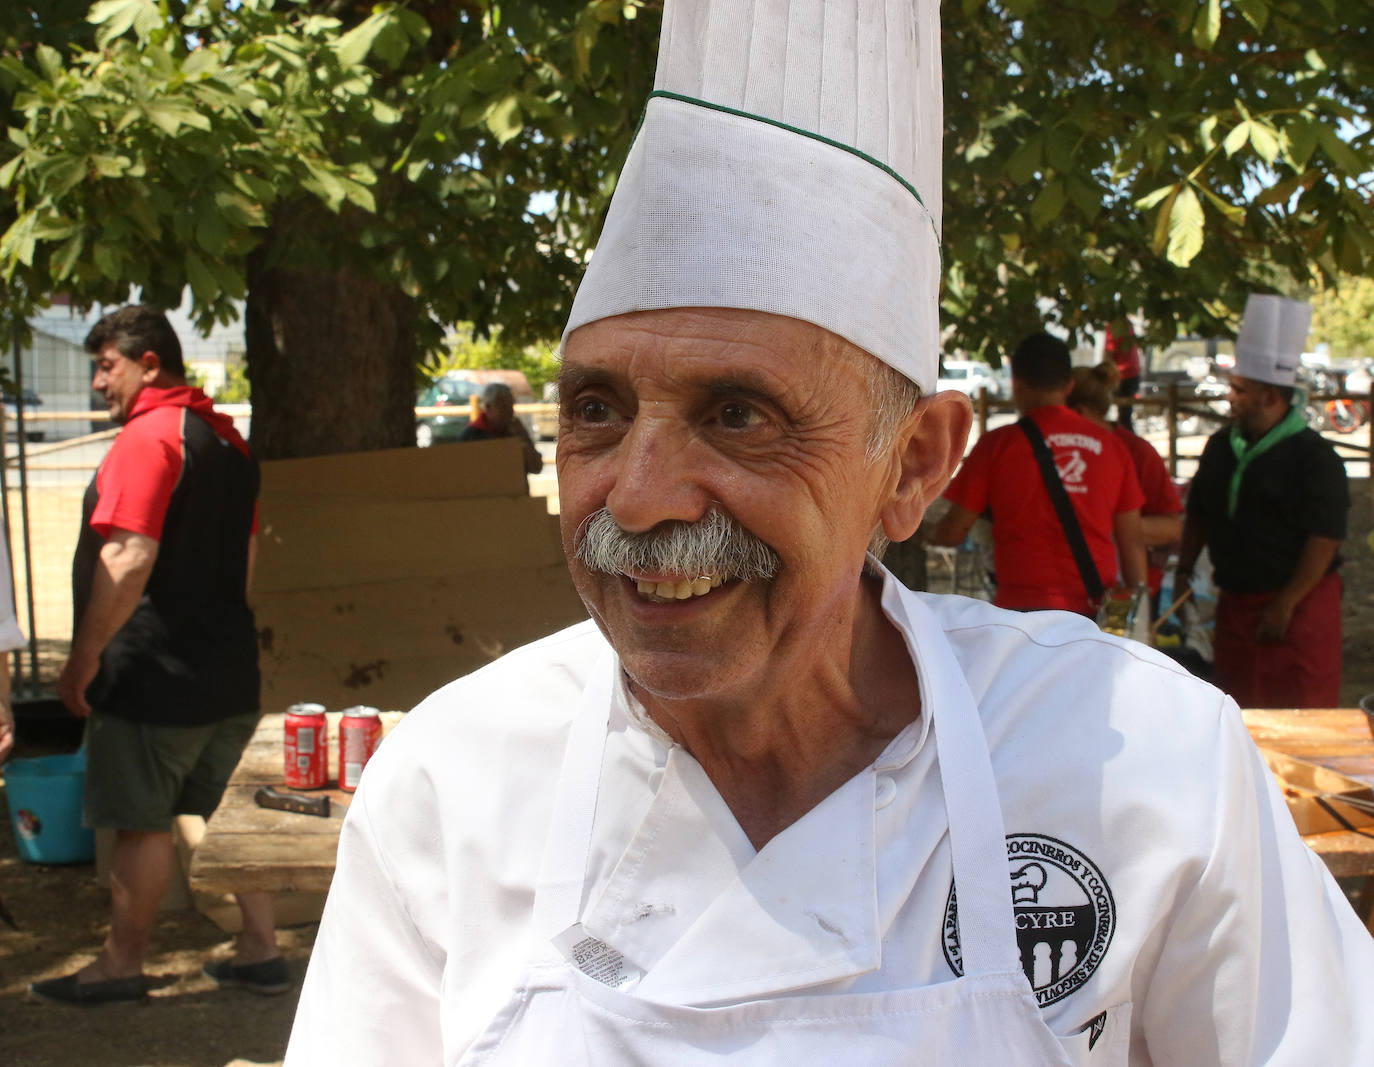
x=1035 y=565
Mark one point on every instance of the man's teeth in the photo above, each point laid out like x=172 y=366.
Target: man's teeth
x=682 y=589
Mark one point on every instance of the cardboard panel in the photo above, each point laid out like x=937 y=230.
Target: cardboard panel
x=390 y=644
x=468 y=469
x=328 y=542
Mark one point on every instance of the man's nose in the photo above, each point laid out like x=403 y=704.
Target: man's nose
x=657 y=476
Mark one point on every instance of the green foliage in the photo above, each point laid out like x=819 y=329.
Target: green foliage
x=1110 y=156
x=237 y=389
x=179 y=141
x=1343 y=317
x=469 y=351
x=1102 y=155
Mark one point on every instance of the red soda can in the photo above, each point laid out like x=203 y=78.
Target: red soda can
x=360 y=731
x=307 y=747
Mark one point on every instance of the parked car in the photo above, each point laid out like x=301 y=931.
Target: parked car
x=1201 y=388
x=455 y=390
x=968 y=376
x=31 y=402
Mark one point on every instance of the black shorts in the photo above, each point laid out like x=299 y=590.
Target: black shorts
x=139 y=775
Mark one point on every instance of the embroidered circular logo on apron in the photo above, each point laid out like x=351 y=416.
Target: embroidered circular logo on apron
x=1064 y=912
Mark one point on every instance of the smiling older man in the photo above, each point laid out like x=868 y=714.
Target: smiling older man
x=767 y=806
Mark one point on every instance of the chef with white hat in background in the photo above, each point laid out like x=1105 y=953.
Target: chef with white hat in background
x=1270 y=501
x=768 y=806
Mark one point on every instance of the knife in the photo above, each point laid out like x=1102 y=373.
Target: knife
x=270 y=797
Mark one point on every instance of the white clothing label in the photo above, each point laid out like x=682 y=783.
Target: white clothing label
x=596 y=959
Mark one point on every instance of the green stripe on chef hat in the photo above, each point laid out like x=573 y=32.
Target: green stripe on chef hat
x=788 y=162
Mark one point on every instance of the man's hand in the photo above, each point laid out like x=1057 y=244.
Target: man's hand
x=6 y=729
x=77 y=673
x=1314 y=562
x=1274 y=620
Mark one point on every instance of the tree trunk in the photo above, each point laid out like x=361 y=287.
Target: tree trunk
x=331 y=355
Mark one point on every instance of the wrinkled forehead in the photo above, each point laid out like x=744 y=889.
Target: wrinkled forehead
x=679 y=342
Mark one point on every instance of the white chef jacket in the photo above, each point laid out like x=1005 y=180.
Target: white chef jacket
x=1160 y=888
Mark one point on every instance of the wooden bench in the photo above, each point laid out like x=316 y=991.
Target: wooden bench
x=247 y=848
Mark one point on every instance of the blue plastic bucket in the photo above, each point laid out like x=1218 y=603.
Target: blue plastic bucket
x=44 y=796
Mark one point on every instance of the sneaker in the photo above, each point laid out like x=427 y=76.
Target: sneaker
x=268 y=977
x=67 y=990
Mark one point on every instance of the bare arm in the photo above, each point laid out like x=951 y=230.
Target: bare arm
x=121 y=574
x=953 y=527
x=1161 y=529
x=1315 y=561
x=1194 y=537
x=1130 y=546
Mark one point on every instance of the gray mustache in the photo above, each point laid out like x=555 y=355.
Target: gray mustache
x=716 y=544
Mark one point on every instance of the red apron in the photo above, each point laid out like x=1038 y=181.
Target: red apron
x=1301 y=671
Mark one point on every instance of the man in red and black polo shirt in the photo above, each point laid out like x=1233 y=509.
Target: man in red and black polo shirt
x=1035 y=565
x=163 y=664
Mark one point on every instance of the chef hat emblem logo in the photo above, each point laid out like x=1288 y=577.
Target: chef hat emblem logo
x=1063 y=910
x=1026 y=883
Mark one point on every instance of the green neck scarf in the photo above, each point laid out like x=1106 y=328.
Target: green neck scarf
x=1290 y=424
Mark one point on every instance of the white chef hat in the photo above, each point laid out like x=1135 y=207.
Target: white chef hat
x=1273 y=333
x=788 y=162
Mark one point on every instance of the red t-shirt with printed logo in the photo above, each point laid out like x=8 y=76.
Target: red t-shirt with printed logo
x=1034 y=564
x=1161 y=498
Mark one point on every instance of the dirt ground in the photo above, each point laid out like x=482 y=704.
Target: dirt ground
x=187 y=1022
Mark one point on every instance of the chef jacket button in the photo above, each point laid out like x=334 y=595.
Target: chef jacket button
x=885 y=792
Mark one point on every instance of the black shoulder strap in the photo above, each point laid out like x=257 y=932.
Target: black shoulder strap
x=1063 y=507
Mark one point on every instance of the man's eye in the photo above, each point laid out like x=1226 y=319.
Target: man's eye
x=735 y=415
x=592 y=409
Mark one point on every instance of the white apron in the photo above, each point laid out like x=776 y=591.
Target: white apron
x=558 y=1015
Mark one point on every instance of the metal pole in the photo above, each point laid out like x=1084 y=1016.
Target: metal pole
x=1172 y=421
x=24 y=518
x=982 y=410
x=16 y=655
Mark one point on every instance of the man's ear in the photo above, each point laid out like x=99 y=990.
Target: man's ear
x=929 y=447
x=151 y=363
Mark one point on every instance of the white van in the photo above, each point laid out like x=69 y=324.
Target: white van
x=968 y=376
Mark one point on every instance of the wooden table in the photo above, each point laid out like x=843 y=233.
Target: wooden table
x=251 y=848
x=247 y=848
x=1336 y=738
